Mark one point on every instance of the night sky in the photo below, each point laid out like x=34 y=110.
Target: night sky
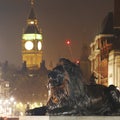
x=77 y=20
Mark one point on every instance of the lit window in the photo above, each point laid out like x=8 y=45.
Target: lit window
x=32 y=22
x=32 y=37
x=6 y=85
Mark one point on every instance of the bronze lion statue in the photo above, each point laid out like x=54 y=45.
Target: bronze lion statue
x=69 y=95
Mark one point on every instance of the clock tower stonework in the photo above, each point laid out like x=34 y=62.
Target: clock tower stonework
x=32 y=42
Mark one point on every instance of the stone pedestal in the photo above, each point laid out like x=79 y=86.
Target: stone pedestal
x=69 y=118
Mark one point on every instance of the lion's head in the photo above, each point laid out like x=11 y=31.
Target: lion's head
x=65 y=81
x=56 y=76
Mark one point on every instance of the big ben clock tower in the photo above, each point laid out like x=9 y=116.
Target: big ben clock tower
x=32 y=42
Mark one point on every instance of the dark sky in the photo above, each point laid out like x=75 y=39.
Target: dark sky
x=78 y=20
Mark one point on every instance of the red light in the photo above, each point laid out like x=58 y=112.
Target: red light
x=77 y=62
x=68 y=42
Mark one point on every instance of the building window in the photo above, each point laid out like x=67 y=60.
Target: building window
x=7 y=85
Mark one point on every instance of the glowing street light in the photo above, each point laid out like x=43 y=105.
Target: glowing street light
x=12 y=99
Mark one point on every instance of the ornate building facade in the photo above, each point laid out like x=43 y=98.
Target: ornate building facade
x=105 y=49
x=32 y=42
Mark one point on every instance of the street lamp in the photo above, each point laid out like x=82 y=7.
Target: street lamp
x=12 y=99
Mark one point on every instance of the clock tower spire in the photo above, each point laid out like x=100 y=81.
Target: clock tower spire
x=32 y=41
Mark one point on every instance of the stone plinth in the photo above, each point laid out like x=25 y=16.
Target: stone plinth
x=69 y=118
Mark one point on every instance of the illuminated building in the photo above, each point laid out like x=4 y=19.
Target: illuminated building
x=105 y=49
x=32 y=42
x=4 y=87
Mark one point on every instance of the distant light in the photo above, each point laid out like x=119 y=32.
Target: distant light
x=68 y=42
x=15 y=103
x=12 y=99
x=32 y=22
x=7 y=85
x=118 y=88
x=77 y=61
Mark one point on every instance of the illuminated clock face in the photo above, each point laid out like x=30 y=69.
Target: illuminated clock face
x=39 y=45
x=29 y=45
